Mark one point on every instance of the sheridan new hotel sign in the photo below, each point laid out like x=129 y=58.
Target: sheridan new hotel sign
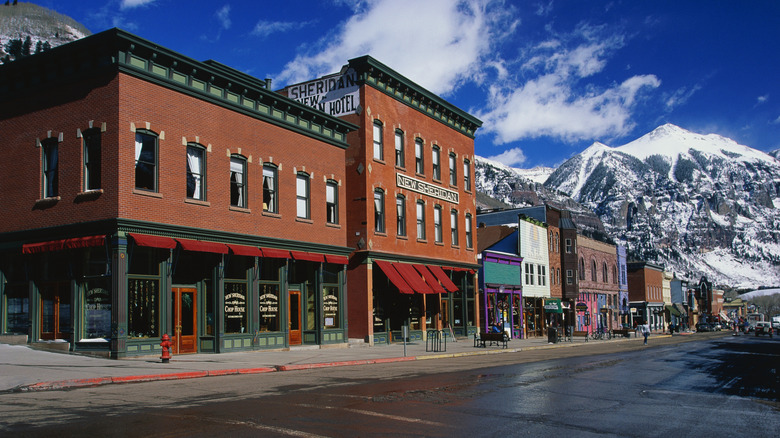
x=337 y=94
x=416 y=185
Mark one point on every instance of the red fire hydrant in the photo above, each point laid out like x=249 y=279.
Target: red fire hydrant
x=166 y=348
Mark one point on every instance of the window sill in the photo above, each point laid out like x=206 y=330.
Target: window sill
x=380 y=233
x=45 y=203
x=271 y=214
x=147 y=193
x=197 y=202
x=402 y=237
x=438 y=243
x=420 y=175
x=453 y=186
x=240 y=209
x=436 y=180
x=401 y=168
x=455 y=246
x=377 y=160
x=304 y=220
x=422 y=241
x=330 y=225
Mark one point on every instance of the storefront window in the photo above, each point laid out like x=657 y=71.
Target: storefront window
x=269 y=268
x=18 y=308
x=330 y=306
x=235 y=307
x=97 y=310
x=143 y=304
x=269 y=307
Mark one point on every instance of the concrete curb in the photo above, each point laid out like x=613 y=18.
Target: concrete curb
x=99 y=381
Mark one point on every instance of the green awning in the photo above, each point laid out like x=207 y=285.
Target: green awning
x=673 y=310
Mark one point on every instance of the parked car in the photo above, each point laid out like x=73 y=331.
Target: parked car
x=764 y=328
x=703 y=327
x=716 y=327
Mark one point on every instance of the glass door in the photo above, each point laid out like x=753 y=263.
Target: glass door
x=294 y=317
x=185 y=317
x=56 y=311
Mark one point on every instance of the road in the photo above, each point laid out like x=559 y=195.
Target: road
x=683 y=386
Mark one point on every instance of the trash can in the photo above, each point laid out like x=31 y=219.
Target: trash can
x=552 y=335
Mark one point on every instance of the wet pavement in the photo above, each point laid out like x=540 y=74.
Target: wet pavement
x=23 y=368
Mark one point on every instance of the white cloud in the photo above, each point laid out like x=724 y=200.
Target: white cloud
x=439 y=44
x=129 y=4
x=680 y=96
x=223 y=15
x=511 y=157
x=264 y=29
x=555 y=100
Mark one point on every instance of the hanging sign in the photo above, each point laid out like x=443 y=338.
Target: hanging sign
x=337 y=95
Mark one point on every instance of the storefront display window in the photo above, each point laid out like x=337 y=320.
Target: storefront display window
x=270 y=267
x=143 y=303
x=330 y=306
x=235 y=307
x=269 y=307
x=18 y=308
x=97 y=310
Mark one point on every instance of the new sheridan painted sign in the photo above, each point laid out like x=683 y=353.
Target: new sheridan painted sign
x=415 y=185
x=337 y=95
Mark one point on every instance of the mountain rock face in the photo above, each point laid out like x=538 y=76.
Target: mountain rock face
x=697 y=204
x=28 y=27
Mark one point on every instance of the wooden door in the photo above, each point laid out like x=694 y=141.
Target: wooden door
x=294 y=317
x=185 y=320
x=445 y=314
x=56 y=318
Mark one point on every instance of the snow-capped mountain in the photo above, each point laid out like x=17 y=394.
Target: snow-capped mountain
x=698 y=204
x=26 y=28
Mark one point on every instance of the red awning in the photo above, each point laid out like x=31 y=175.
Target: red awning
x=413 y=278
x=201 y=246
x=450 y=268
x=59 y=245
x=443 y=278
x=153 y=241
x=308 y=256
x=276 y=253
x=340 y=260
x=243 y=250
x=430 y=279
x=394 y=276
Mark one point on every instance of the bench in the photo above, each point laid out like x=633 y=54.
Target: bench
x=622 y=332
x=580 y=334
x=487 y=339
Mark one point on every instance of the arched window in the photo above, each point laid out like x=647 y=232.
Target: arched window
x=593 y=270
x=582 y=268
x=196 y=171
x=238 y=181
x=379 y=211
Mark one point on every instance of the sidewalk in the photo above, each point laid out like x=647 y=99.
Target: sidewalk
x=25 y=369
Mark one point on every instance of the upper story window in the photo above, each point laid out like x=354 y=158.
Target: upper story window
x=302 y=195
x=542 y=275
x=399 y=148
x=146 y=161
x=419 y=164
x=437 y=224
x=378 y=149
x=604 y=276
x=196 y=172
x=454 y=227
x=582 y=268
x=270 y=188
x=379 y=211
x=529 y=274
x=469 y=236
x=569 y=276
x=332 y=202
x=238 y=187
x=614 y=275
x=400 y=208
x=435 y=159
x=453 y=170
x=420 y=220
x=593 y=270
x=92 y=159
x=569 y=246
x=51 y=168
x=467 y=175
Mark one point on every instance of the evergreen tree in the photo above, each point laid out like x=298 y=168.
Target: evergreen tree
x=14 y=48
x=27 y=46
x=38 y=47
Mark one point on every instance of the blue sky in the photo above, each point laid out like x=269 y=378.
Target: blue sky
x=547 y=78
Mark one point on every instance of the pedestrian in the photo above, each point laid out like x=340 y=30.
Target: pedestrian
x=645 y=332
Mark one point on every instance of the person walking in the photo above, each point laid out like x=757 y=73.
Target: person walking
x=645 y=332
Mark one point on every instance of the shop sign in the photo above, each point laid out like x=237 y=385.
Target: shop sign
x=269 y=306
x=330 y=308
x=552 y=306
x=581 y=307
x=235 y=305
x=337 y=95
x=422 y=187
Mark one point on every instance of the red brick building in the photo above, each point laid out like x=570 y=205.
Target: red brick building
x=410 y=198
x=645 y=294
x=146 y=193
x=598 y=284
